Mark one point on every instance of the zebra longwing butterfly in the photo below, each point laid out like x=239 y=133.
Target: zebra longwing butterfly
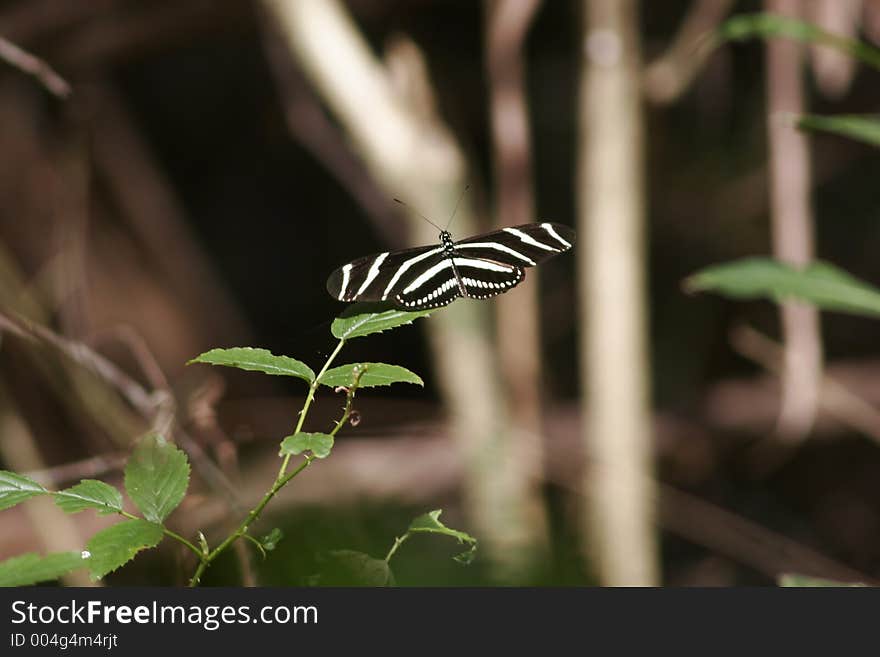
x=432 y=276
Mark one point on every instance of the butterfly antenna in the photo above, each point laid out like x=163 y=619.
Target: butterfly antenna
x=397 y=200
x=457 y=203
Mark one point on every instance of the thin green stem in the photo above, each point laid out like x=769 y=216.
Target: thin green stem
x=251 y=517
x=397 y=543
x=349 y=398
x=281 y=479
x=259 y=545
x=309 y=398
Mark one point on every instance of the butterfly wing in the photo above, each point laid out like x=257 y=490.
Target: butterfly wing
x=430 y=277
x=521 y=246
x=433 y=285
x=379 y=277
x=483 y=278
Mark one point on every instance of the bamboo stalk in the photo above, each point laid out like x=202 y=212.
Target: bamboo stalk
x=519 y=340
x=614 y=359
x=792 y=228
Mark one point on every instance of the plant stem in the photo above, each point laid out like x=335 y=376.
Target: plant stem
x=280 y=481
x=397 y=543
x=177 y=537
x=282 y=477
x=349 y=398
x=309 y=397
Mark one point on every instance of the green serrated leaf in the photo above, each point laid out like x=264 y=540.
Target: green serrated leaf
x=430 y=522
x=795 y=580
x=766 y=25
x=357 y=325
x=820 y=284
x=318 y=444
x=350 y=568
x=118 y=544
x=257 y=360
x=467 y=557
x=32 y=568
x=89 y=494
x=16 y=488
x=156 y=477
x=270 y=541
x=861 y=128
x=371 y=375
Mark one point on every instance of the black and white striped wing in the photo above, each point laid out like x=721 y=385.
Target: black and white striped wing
x=381 y=276
x=483 y=278
x=433 y=286
x=456 y=275
x=430 y=277
x=523 y=246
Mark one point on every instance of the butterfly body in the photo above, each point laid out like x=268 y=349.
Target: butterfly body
x=432 y=276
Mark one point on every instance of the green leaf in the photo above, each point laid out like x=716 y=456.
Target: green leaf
x=371 y=375
x=31 y=568
x=270 y=541
x=16 y=488
x=118 y=544
x=430 y=522
x=795 y=580
x=861 y=128
x=89 y=494
x=350 y=568
x=257 y=360
x=764 y=26
x=361 y=324
x=820 y=284
x=156 y=477
x=318 y=444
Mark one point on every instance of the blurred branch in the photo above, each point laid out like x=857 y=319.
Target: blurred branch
x=201 y=411
x=615 y=370
x=309 y=125
x=670 y=74
x=872 y=20
x=34 y=66
x=519 y=344
x=79 y=353
x=138 y=348
x=792 y=227
x=412 y=154
x=834 y=70
x=94 y=467
x=740 y=539
x=148 y=203
x=837 y=399
x=156 y=407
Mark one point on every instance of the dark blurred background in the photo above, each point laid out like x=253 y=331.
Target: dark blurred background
x=196 y=190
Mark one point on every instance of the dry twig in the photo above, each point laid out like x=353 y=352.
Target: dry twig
x=35 y=67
